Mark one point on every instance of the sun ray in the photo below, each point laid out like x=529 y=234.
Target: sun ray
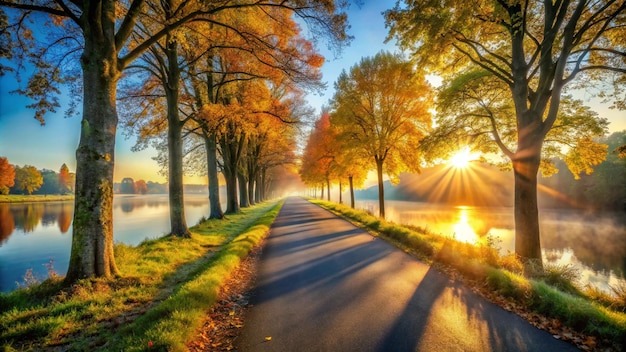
x=462 y=158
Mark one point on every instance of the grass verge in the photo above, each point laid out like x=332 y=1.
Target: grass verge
x=160 y=302
x=23 y=198
x=548 y=292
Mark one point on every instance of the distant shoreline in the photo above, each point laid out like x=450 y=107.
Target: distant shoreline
x=24 y=198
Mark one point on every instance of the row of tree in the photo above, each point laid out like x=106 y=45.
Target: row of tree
x=223 y=76
x=28 y=179
x=506 y=68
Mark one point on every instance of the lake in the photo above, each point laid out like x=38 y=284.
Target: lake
x=594 y=243
x=33 y=235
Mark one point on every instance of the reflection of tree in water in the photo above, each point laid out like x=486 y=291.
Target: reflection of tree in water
x=65 y=217
x=7 y=224
x=131 y=203
x=127 y=207
x=49 y=217
x=28 y=217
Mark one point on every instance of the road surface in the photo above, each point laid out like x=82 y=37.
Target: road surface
x=326 y=285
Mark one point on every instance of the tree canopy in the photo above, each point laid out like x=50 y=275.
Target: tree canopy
x=91 y=40
x=7 y=175
x=536 y=50
x=381 y=107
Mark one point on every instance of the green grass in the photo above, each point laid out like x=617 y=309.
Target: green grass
x=549 y=291
x=168 y=285
x=24 y=198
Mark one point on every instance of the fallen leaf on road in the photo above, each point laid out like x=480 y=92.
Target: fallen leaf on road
x=268 y=338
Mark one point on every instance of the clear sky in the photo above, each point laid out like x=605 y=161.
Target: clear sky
x=25 y=142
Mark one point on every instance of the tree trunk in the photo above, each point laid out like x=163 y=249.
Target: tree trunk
x=258 y=188
x=525 y=169
x=264 y=184
x=244 y=202
x=351 y=192
x=232 y=205
x=251 y=192
x=328 y=188
x=252 y=177
x=322 y=194
x=381 y=188
x=230 y=176
x=92 y=236
x=340 y=195
x=210 y=142
x=178 y=222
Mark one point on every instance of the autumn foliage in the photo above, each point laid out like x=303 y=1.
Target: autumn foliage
x=7 y=175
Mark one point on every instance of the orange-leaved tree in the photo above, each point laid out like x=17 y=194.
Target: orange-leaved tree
x=7 y=175
x=319 y=154
x=93 y=37
x=65 y=180
x=381 y=108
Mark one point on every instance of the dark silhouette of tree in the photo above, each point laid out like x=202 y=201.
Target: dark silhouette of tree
x=128 y=186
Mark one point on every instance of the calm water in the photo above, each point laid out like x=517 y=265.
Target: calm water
x=594 y=243
x=33 y=234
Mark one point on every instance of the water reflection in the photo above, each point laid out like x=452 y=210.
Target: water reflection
x=595 y=244
x=463 y=231
x=25 y=217
x=33 y=234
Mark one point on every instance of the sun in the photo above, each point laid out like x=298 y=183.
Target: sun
x=462 y=158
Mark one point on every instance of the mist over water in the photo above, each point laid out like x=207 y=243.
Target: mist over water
x=33 y=234
x=594 y=243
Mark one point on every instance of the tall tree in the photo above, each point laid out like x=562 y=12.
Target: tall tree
x=319 y=155
x=28 y=179
x=7 y=175
x=99 y=31
x=536 y=49
x=381 y=107
x=50 y=183
x=65 y=179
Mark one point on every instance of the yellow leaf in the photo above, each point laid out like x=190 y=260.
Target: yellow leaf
x=268 y=338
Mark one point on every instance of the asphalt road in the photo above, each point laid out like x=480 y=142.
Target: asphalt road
x=325 y=285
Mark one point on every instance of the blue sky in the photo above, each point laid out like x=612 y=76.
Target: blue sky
x=24 y=141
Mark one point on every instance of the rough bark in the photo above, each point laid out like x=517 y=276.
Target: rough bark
x=92 y=237
x=210 y=142
x=381 y=188
x=525 y=168
x=244 y=202
x=257 y=189
x=178 y=222
x=229 y=154
x=251 y=193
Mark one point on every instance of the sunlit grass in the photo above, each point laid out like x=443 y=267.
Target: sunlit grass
x=167 y=286
x=549 y=291
x=22 y=198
